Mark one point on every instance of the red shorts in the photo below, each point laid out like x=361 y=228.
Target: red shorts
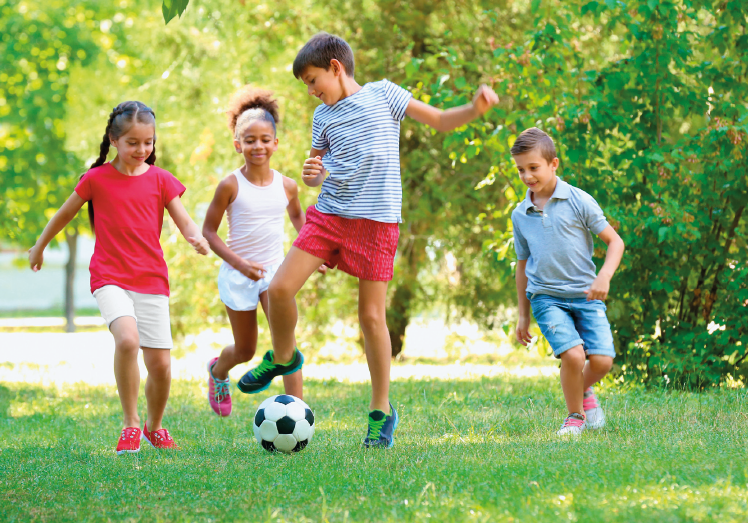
x=362 y=248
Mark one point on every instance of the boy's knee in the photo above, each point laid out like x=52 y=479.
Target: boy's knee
x=278 y=290
x=574 y=357
x=601 y=364
x=372 y=319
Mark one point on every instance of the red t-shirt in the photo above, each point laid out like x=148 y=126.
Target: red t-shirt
x=128 y=215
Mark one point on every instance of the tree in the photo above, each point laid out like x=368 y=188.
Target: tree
x=39 y=46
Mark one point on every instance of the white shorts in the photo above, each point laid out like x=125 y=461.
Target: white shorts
x=238 y=292
x=151 y=313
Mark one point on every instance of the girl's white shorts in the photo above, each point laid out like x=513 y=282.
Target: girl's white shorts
x=151 y=313
x=238 y=292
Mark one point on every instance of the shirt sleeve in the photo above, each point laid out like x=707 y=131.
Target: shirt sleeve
x=520 y=243
x=84 y=187
x=319 y=140
x=170 y=187
x=593 y=215
x=397 y=99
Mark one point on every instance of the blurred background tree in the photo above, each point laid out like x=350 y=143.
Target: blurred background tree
x=646 y=101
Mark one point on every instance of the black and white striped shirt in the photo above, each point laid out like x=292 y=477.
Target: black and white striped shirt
x=362 y=136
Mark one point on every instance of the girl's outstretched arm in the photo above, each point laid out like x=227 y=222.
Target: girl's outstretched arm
x=186 y=226
x=225 y=194
x=58 y=222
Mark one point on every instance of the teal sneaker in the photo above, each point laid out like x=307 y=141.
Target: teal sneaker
x=259 y=378
x=381 y=429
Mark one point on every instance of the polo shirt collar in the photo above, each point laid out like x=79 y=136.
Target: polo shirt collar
x=561 y=192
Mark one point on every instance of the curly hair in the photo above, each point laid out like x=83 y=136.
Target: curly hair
x=249 y=104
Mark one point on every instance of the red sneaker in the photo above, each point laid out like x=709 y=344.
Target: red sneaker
x=159 y=439
x=129 y=441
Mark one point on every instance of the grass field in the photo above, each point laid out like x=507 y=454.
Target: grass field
x=481 y=450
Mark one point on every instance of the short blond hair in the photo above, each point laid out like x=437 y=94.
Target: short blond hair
x=533 y=138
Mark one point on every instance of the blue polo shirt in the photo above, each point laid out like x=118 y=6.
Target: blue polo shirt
x=557 y=241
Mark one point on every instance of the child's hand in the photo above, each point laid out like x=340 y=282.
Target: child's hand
x=312 y=169
x=323 y=269
x=200 y=244
x=36 y=258
x=599 y=288
x=253 y=271
x=484 y=99
x=523 y=331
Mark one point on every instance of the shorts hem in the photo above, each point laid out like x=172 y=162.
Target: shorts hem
x=566 y=346
x=239 y=309
x=156 y=345
x=109 y=323
x=601 y=352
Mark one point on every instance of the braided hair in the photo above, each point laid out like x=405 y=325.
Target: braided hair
x=249 y=104
x=120 y=120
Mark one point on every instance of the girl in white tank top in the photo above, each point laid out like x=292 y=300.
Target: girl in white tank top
x=255 y=199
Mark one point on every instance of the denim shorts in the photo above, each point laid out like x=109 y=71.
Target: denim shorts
x=568 y=322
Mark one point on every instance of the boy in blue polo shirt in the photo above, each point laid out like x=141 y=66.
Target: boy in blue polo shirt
x=355 y=157
x=556 y=276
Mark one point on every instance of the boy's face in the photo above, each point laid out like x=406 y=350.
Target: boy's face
x=325 y=85
x=536 y=172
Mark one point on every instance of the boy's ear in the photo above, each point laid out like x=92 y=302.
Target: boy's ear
x=555 y=162
x=337 y=67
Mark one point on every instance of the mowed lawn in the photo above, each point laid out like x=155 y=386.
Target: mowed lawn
x=481 y=450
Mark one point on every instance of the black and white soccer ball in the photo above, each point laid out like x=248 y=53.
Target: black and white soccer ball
x=283 y=423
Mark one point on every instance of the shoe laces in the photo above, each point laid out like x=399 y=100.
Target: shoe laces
x=590 y=400
x=375 y=427
x=262 y=368
x=221 y=390
x=574 y=420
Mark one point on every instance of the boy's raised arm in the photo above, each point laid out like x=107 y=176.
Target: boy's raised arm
x=444 y=121
x=313 y=172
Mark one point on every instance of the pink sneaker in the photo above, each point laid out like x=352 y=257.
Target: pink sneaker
x=159 y=439
x=593 y=411
x=129 y=441
x=574 y=424
x=219 y=395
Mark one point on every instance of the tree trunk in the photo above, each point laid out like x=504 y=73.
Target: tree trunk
x=72 y=241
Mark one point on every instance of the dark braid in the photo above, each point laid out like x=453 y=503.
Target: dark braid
x=118 y=127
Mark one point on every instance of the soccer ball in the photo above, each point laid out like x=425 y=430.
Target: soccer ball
x=283 y=423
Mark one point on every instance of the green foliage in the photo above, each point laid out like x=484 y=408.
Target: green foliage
x=480 y=450
x=40 y=44
x=647 y=105
x=172 y=8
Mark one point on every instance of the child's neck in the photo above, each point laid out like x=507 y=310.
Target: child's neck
x=540 y=198
x=348 y=86
x=260 y=175
x=129 y=170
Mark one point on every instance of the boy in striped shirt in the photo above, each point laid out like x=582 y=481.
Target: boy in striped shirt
x=355 y=156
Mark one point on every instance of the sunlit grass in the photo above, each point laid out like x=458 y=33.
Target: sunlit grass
x=470 y=450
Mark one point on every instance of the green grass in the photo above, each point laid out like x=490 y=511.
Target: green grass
x=480 y=450
x=56 y=312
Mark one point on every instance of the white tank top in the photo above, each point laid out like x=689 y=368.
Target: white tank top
x=256 y=218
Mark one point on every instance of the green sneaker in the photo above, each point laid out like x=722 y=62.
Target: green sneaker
x=381 y=429
x=259 y=378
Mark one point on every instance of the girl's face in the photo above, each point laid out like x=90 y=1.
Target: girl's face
x=136 y=144
x=257 y=142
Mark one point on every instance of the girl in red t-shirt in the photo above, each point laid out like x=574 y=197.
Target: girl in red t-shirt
x=129 y=279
